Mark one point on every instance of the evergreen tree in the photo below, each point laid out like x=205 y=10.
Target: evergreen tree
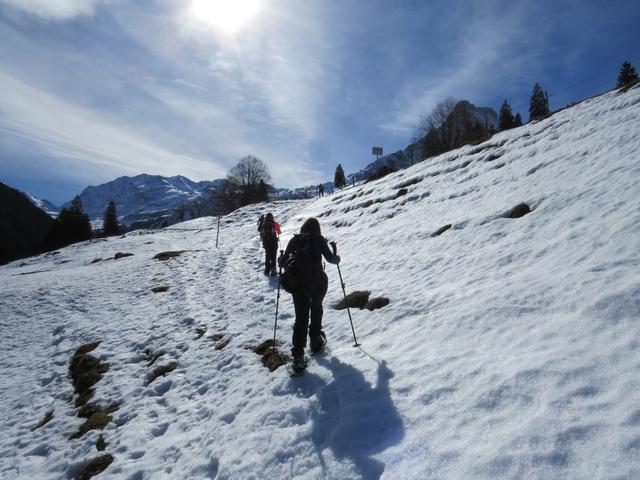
x=339 y=179
x=72 y=225
x=627 y=74
x=506 y=117
x=539 y=104
x=517 y=121
x=110 y=224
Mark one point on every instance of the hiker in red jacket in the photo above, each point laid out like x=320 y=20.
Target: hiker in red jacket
x=269 y=234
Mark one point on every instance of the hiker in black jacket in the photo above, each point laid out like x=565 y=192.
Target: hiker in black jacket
x=310 y=288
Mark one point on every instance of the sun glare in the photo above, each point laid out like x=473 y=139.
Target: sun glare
x=228 y=16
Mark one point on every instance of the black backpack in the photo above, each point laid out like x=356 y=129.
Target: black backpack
x=298 y=270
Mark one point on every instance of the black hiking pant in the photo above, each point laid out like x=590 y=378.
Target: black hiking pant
x=308 y=308
x=270 y=252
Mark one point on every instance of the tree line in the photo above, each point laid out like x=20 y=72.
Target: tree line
x=450 y=125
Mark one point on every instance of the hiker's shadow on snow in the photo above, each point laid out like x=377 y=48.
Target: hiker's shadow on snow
x=357 y=420
x=273 y=282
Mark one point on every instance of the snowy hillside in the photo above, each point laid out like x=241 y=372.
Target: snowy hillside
x=143 y=197
x=510 y=348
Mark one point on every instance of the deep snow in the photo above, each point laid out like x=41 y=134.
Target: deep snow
x=510 y=348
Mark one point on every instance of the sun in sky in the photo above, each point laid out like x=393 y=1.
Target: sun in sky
x=226 y=16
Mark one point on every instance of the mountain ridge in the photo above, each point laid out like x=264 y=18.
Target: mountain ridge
x=144 y=197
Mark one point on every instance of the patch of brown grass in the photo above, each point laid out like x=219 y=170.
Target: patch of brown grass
x=96 y=421
x=162 y=256
x=94 y=467
x=101 y=444
x=85 y=371
x=357 y=299
x=161 y=371
x=377 y=302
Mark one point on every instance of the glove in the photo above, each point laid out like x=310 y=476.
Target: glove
x=337 y=259
x=333 y=247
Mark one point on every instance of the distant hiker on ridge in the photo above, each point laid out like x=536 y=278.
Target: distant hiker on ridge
x=304 y=278
x=269 y=231
x=321 y=190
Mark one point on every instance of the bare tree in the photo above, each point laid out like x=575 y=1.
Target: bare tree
x=436 y=118
x=243 y=183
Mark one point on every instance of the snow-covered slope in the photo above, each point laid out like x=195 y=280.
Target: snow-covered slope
x=510 y=348
x=143 y=197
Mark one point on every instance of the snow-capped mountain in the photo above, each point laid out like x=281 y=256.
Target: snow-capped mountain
x=44 y=205
x=509 y=350
x=144 y=197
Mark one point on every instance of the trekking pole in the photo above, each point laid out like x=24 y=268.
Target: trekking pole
x=275 y=325
x=218 y=232
x=335 y=249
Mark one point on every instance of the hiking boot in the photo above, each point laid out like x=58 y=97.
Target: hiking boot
x=299 y=364
x=318 y=343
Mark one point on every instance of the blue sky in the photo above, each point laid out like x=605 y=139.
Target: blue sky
x=94 y=89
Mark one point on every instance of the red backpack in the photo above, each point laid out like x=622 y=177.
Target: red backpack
x=268 y=231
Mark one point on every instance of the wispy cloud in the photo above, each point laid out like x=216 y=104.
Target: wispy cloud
x=88 y=139
x=54 y=9
x=130 y=87
x=490 y=49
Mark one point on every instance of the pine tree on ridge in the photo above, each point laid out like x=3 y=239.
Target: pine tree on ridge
x=110 y=224
x=539 y=104
x=339 y=179
x=627 y=74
